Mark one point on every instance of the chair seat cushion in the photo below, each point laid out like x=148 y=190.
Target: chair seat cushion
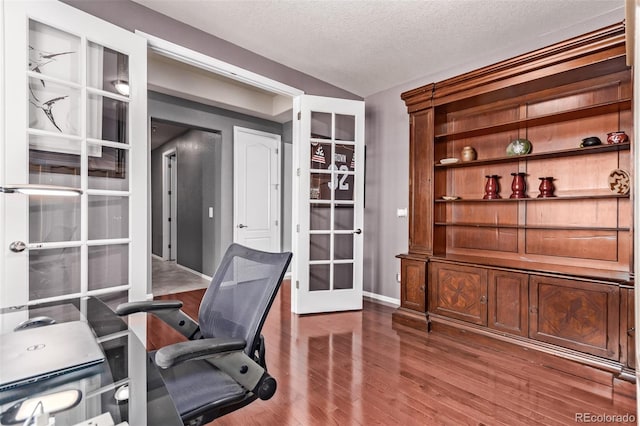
x=197 y=386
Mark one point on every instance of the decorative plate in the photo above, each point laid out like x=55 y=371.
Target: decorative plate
x=519 y=147
x=619 y=181
x=450 y=197
x=449 y=161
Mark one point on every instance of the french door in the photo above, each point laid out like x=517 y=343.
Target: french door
x=329 y=182
x=74 y=106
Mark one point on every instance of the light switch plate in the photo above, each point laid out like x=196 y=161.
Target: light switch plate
x=401 y=212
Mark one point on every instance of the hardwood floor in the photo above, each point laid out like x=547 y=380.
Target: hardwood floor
x=356 y=368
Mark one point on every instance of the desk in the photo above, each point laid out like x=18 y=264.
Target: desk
x=127 y=364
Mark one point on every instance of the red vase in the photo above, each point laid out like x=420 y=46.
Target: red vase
x=546 y=187
x=491 y=188
x=518 y=186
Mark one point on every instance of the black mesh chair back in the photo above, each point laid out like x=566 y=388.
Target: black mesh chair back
x=241 y=292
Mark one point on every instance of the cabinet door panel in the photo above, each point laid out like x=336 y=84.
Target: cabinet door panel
x=458 y=292
x=508 y=302
x=627 y=328
x=574 y=314
x=413 y=276
x=421 y=183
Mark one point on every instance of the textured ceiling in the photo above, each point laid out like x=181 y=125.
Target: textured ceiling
x=368 y=46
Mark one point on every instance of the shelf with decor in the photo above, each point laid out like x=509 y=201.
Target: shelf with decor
x=572 y=114
x=537 y=214
x=588 y=150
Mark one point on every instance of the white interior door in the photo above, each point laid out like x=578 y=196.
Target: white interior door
x=67 y=123
x=256 y=192
x=329 y=184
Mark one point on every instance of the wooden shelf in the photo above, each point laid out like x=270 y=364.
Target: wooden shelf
x=545 y=227
x=540 y=156
x=545 y=199
x=572 y=114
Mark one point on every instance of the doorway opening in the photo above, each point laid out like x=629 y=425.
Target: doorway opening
x=183 y=194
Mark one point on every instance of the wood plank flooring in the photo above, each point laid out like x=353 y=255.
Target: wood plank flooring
x=356 y=368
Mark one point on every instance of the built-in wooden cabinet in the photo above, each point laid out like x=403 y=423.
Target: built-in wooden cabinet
x=553 y=269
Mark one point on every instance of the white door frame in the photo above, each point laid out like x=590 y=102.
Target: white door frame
x=168 y=208
x=276 y=197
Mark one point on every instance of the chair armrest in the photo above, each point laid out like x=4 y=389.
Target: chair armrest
x=147 y=306
x=197 y=349
x=168 y=311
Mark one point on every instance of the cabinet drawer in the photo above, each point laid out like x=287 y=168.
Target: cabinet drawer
x=575 y=314
x=459 y=292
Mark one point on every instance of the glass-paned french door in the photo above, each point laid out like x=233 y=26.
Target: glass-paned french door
x=330 y=203
x=75 y=116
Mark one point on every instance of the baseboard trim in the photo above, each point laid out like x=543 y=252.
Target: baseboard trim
x=381 y=298
x=155 y=256
x=194 y=272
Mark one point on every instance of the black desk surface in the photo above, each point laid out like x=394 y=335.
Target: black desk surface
x=126 y=364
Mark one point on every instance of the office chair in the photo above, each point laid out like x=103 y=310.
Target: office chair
x=222 y=367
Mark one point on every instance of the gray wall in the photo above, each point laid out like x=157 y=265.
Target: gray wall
x=133 y=16
x=198 y=155
x=169 y=108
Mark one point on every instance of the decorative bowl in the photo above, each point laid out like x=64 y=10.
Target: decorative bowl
x=617 y=137
x=590 y=141
x=519 y=146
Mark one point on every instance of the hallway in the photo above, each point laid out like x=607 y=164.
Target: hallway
x=167 y=278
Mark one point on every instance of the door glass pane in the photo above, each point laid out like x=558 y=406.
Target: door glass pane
x=344 y=157
x=343 y=246
x=54 y=161
x=107 y=69
x=320 y=217
x=53 y=52
x=320 y=155
x=54 y=272
x=320 y=186
x=320 y=125
x=343 y=276
x=319 y=247
x=54 y=219
x=108 y=170
x=345 y=127
x=344 y=185
x=106 y=119
x=53 y=107
x=344 y=217
x=108 y=217
x=319 y=276
x=108 y=266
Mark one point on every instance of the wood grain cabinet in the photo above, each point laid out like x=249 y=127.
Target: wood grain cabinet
x=413 y=284
x=544 y=268
x=459 y=292
x=576 y=314
x=508 y=302
x=627 y=328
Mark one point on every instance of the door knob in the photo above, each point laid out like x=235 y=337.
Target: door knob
x=358 y=231
x=17 y=246
x=242 y=226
